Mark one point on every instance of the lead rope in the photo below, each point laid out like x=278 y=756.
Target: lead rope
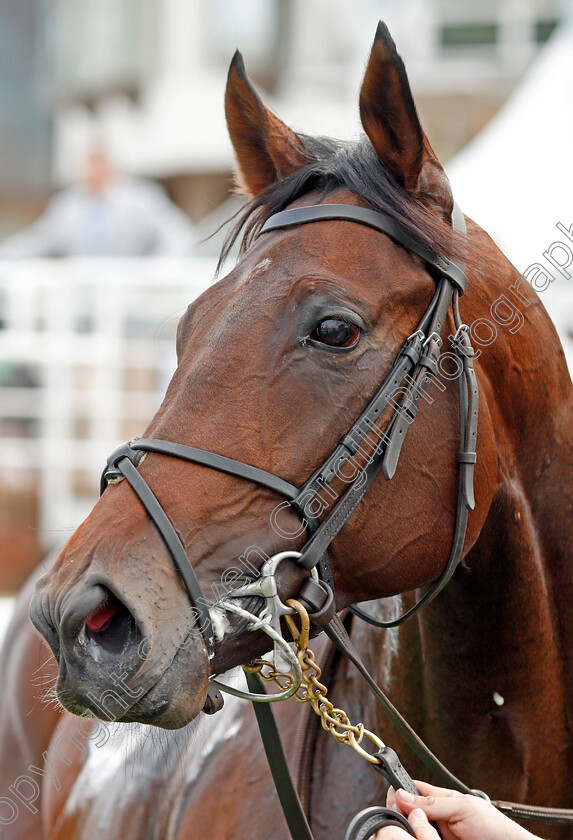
x=534 y=813
x=336 y=721
x=333 y=720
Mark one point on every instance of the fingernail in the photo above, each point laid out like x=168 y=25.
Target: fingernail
x=391 y=799
x=405 y=796
x=418 y=814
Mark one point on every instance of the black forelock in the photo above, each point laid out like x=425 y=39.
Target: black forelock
x=333 y=164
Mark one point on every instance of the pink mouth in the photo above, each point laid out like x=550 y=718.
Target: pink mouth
x=100 y=619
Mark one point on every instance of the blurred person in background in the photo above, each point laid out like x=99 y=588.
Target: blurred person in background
x=104 y=215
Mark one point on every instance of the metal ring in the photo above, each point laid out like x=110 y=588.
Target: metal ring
x=286 y=649
x=481 y=794
x=250 y=589
x=360 y=750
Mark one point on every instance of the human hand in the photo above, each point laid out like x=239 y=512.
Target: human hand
x=457 y=815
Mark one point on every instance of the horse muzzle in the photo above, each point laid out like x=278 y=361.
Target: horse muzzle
x=95 y=638
x=113 y=665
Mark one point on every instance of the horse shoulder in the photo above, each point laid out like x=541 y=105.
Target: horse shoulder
x=231 y=795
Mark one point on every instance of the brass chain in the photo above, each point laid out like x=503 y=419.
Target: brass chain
x=312 y=691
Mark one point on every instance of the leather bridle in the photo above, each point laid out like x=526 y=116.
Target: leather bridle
x=416 y=363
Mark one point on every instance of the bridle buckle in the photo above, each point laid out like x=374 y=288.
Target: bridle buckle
x=461 y=342
x=418 y=334
x=433 y=337
x=112 y=474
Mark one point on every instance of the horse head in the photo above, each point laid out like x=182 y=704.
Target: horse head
x=275 y=362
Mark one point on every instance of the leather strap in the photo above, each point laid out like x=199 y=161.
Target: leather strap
x=336 y=632
x=126 y=468
x=276 y=758
x=370 y=218
x=535 y=813
x=371 y=820
x=209 y=459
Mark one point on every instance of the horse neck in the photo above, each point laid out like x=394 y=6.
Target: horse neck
x=524 y=381
x=484 y=673
x=497 y=667
x=527 y=395
x=491 y=686
x=525 y=550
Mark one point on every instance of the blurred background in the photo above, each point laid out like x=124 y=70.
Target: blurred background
x=112 y=121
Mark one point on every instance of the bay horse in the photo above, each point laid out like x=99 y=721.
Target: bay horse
x=275 y=362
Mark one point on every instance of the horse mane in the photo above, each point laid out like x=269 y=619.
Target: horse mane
x=333 y=164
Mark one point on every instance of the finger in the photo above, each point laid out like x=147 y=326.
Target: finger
x=439 y=807
x=431 y=790
x=391 y=832
x=407 y=801
x=392 y=802
x=422 y=828
x=391 y=798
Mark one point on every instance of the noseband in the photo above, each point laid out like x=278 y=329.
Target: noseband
x=415 y=364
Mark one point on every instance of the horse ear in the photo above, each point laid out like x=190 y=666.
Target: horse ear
x=391 y=122
x=266 y=149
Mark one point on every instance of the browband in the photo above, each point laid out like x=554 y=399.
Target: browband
x=370 y=218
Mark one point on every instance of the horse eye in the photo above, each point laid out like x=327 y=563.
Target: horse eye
x=334 y=332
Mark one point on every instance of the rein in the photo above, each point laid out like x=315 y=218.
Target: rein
x=416 y=362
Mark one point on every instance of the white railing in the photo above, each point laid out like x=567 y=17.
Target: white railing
x=87 y=348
